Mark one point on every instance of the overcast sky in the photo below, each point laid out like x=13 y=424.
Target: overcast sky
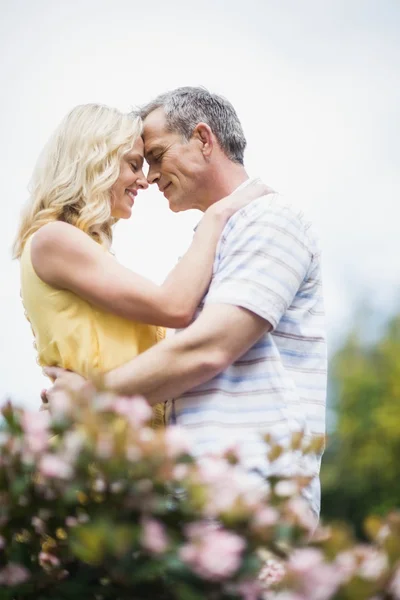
x=316 y=84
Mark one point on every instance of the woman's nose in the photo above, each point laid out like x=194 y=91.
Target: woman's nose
x=142 y=181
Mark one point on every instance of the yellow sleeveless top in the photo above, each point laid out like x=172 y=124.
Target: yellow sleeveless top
x=72 y=333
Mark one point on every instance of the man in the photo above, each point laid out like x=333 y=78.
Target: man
x=254 y=359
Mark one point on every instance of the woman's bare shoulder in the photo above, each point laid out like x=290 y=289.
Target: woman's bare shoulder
x=58 y=236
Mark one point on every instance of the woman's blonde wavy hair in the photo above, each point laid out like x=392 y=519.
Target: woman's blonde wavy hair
x=73 y=178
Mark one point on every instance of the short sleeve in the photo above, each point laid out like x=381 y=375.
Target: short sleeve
x=262 y=263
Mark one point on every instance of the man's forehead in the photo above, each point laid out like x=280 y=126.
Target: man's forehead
x=154 y=126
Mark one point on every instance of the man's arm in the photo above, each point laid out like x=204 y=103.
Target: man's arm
x=215 y=340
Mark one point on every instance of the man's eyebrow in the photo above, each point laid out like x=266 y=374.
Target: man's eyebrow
x=153 y=149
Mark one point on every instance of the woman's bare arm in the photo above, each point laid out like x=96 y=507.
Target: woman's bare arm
x=66 y=258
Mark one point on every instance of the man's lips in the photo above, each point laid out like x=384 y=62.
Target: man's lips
x=165 y=188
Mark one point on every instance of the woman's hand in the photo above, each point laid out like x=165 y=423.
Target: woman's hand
x=63 y=382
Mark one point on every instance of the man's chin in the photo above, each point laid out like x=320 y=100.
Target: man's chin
x=174 y=206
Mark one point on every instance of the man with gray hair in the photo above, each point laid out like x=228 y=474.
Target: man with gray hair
x=253 y=361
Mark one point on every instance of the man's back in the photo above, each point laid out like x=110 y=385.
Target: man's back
x=267 y=262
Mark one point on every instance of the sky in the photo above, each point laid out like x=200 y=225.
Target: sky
x=315 y=83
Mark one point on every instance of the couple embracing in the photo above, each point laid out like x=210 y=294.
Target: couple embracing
x=249 y=358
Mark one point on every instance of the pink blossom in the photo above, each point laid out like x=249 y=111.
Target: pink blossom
x=154 y=538
x=213 y=469
x=117 y=487
x=316 y=579
x=133 y=453
x=105 y=445
x=99 y=485
x=54 y=466
x=395 y=584
x=13 y=574
x=136 y=410
x=286 y=595
x=299 y=508
x=48 y=559
x=180 y=472
x=38 y=525
x=347 y=565
x=266 y=517
x=35 y=421
x=272 y=573
x=373 y=563
x=285 y=488
x=304 y=560
x=214 y=554
x=36 y=428
x=146 y=434
x=177 y=441
x=73 y=444
x=249 y=590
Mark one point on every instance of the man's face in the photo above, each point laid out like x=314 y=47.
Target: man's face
x=177 y=166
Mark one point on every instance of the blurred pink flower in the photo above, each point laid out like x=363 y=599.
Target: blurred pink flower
x=180 y=472
x=285 y=595
x=214 y=554
x=212 y=469
x=266 y=516
x=48 y=559
x=13 y=574
x=271 y=573
x=105 y=445
x=177 y=441
x=395 y=584
x=373 y=562
x=286 y=488
x=299 y=508
x=154 y=538
x=316 y=579
x=304 y=560
x=249 y=590
x=54 y=466
x=347 y=564
x=38 y=525
x=227 y=483
x=36 y=428
x=135 y=409
x=73 y=444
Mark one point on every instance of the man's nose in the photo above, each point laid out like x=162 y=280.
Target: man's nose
x=153 y=175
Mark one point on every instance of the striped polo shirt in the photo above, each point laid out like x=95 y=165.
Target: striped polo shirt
x=267 y=261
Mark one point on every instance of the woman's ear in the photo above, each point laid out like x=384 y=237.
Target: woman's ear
x=203 y=133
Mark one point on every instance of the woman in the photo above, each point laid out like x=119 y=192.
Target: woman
x=101 y=315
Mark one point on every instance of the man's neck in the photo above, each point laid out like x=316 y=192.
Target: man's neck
x=223 y=182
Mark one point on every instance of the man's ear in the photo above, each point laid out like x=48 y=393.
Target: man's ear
x=203 y=133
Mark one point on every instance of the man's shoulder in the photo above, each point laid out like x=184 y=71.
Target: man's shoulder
x=272 y=210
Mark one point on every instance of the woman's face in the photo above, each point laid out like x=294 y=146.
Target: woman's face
x=130 y=180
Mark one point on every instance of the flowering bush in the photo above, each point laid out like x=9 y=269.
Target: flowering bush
x=95 y=504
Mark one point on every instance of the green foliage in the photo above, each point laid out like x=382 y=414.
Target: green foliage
x=361 y=467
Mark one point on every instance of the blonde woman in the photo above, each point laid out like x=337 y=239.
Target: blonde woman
x=89 y=313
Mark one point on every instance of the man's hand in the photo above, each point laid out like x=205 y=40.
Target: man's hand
x=63 y=381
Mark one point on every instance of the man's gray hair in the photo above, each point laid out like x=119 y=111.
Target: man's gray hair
x=185 y=107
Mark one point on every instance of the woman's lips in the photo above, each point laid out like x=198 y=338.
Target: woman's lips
x=132 y=194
